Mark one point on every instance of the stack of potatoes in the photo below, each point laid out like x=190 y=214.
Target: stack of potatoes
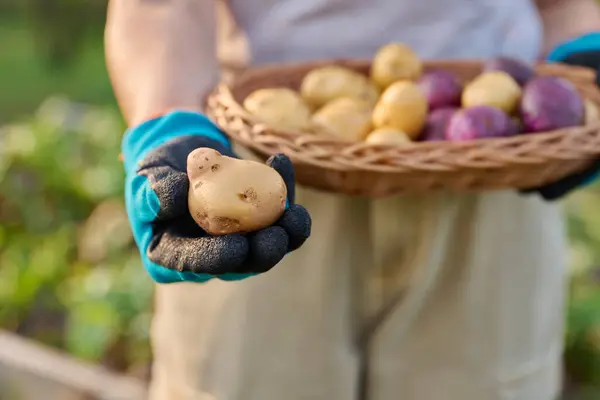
x=386 y=107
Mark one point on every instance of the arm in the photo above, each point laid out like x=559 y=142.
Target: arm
x=160 y=55
x=566 y=19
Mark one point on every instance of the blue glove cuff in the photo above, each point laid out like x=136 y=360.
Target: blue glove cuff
x=588 y=42
x=140 y=140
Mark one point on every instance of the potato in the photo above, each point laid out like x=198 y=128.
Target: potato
x=436 y=124
x=280 y=108
x=388 y=136
x=402 y=106
x=591 y=111
x=228 y=195
x=480 y=122
x=394 y=62
x=345 y=117
x=550 y=103
x=494 y=89
x=518 y=69
x=322 y=85
x=441 y=88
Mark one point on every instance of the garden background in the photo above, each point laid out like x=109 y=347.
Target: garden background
x=70 y=276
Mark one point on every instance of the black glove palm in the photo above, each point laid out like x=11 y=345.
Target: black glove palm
x=179 y=244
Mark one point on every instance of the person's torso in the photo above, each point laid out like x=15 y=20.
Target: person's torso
x=294 y=30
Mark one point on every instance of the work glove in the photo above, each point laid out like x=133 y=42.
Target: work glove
x=172 y=246
x=582 y=51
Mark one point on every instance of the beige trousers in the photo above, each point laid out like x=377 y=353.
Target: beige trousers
x=480 y=284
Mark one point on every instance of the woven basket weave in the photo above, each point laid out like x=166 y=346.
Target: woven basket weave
x=353 y=168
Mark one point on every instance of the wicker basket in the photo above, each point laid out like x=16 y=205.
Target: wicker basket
x=355 y=168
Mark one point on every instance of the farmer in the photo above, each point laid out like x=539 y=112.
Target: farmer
x=480 y=278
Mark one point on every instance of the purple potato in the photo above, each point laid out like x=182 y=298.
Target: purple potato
x=519 y=70
x=480 y=122
x=436 y=123
x=550 y=103
x=441 y=88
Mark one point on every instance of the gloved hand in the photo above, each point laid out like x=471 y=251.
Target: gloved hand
x=173 y=247
x=582 y=51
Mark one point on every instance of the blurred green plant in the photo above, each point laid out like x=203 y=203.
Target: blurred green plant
x=61 y=27
x=582 y=346
x=29 y=42
x=70 y=275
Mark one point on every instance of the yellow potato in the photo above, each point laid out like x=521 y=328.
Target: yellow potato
x=280 y=108
x=494 y=89
x=345 y=117
x=402 y=106
x=388 y=136
x=394 y=62
x=228 y=195
x=322 y=85
x=591 y=111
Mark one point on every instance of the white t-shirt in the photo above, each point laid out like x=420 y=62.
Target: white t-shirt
x=290 y=30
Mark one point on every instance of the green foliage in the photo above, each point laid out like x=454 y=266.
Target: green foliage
x=25 y=79
x=61 y=26
x=66 y=250
x=582 y=355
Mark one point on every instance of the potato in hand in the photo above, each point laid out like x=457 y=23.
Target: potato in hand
x=228 y=195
